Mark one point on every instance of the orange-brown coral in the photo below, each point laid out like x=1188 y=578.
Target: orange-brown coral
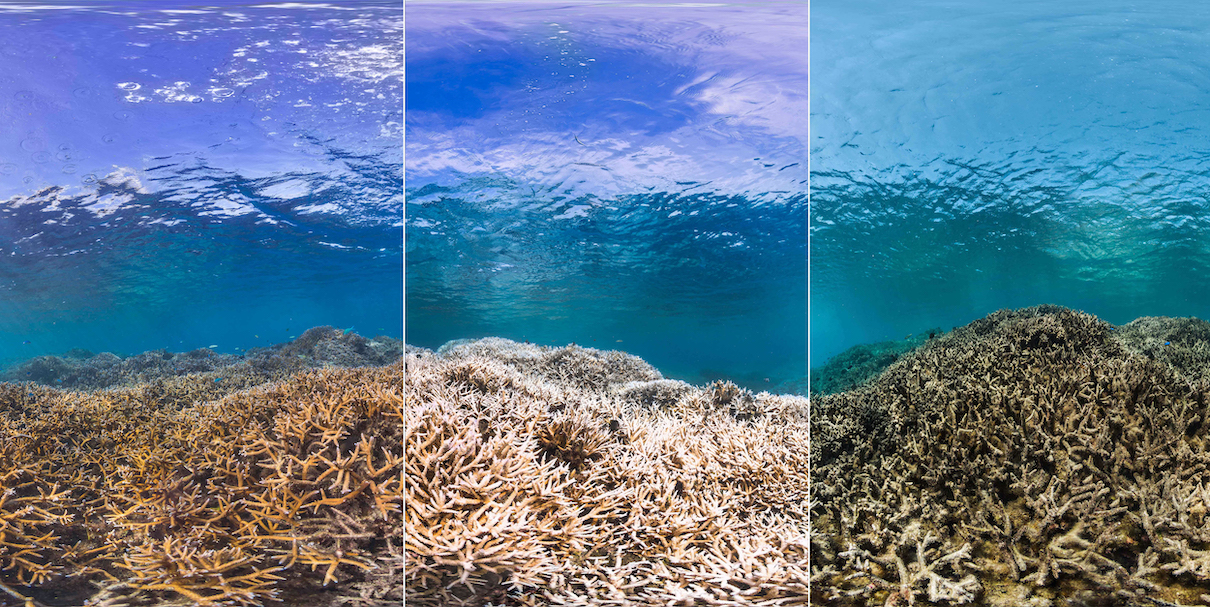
x=570 y=476
x=195 y=491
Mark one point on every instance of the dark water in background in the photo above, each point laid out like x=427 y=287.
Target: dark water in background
x=968 y=157
x=177 y=176
x=627 y=178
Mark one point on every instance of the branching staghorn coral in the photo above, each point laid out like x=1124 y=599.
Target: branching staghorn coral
x=192 y=491
x=204 y=576
x=920 y=575
x=543 y=476
x=1068 y=465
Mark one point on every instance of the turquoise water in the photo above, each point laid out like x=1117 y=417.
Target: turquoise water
x=618 y=177
x=968 y=157
x=181 y=176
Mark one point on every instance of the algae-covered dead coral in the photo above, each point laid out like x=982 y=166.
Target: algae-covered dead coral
x=205 y=489
x=1033 y=457
x=573 y=476
x=1182 y=343
x=863 y=362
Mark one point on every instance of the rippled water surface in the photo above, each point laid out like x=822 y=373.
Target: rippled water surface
x=178 y=175
x=614 y=176
x=968 y=157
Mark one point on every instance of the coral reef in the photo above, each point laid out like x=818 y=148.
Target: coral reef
x=1182 y=343
x=863 y=362
x=318 y=347
x=582 y=367
x=573 y=476
x=1033 y=457
x=214 y=487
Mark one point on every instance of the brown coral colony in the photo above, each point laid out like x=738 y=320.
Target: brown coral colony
x=200 y=479
x=1033 y=457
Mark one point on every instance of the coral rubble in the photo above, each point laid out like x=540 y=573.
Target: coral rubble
x=205 y=485
x=1033 y=457
x=572 y=476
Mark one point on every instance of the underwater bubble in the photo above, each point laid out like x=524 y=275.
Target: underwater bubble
x=121 y=115
x=32 y=144
x=64 y=156
x=23 y=95
x=40 y=157
x=8 y=168
x=109 y=137
x=89 y=179
x=221 y=93
x=69 y=169
x=129 y=86
x=82 y=92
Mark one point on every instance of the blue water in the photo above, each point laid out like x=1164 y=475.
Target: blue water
x=176 y=175
x=968 y=157
x=619 y=177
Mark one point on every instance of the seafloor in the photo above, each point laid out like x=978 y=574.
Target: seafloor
x=1034 y=457
x=573 y=476
x=274 y=477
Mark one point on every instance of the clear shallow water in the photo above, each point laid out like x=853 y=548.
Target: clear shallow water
x=617 y=177
x=176 y=175
x=970 y=157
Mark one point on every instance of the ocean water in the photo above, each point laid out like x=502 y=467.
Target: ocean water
x=615 y=176
x=178 y=175
x=968 y=157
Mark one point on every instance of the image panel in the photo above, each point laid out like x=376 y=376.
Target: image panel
x=201 y=303
x=605 y=216
x=1010 y=245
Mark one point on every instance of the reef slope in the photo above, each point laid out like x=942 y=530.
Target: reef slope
x=1034 y=457
x=573 y=476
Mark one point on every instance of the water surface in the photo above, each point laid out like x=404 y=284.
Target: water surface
x=614 y=176
x=969 y=157
x=178 y=175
